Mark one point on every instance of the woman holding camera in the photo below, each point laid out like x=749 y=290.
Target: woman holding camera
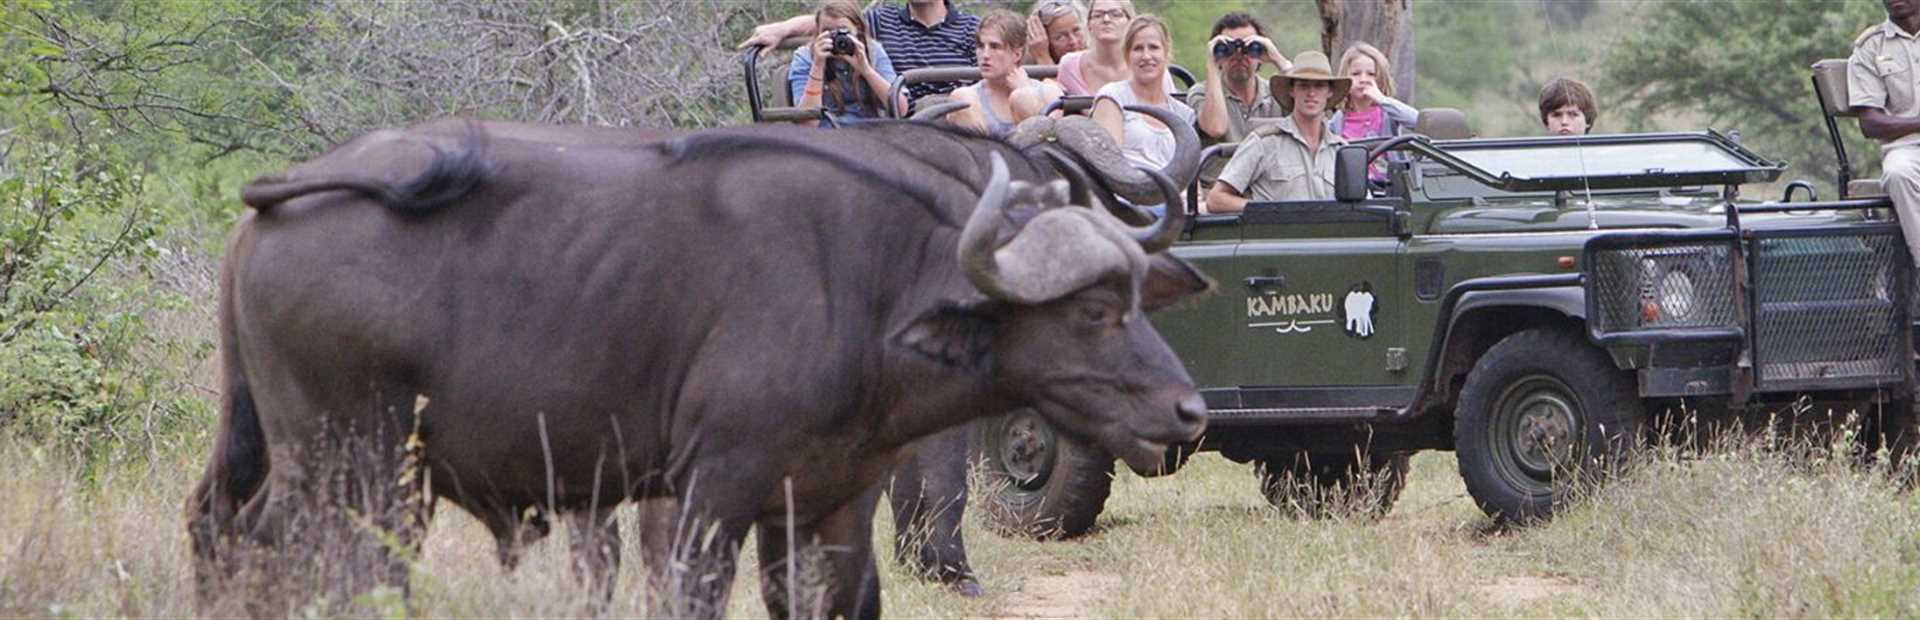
x=1004 y=96
x=852 y=83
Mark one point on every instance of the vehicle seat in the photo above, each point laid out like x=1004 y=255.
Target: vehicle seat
x=1830 y=80
x=1443 y=124
x=1831 y=76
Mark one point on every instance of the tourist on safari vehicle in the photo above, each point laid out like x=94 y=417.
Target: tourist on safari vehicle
x=925 y=33
x=1881 y=88
x=1004 y=96
x=1370 y=111
x=1291 y=159
x=1233 y=90
x=1085 y=72
x=853 y=82
x=1567 y=107
x=1144 y=140
x=1055 y=29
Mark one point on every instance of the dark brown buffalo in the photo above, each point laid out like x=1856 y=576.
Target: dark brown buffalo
x=757 y=323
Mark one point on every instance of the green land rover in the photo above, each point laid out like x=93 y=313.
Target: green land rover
x=1529 y=303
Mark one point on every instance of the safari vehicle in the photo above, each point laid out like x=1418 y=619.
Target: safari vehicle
x=1529 y=303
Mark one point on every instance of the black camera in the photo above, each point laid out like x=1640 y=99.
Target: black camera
x=843 y=42
x=1254 y=49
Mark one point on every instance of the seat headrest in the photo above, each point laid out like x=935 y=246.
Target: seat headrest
x=1443 y=124
x=1831 y=74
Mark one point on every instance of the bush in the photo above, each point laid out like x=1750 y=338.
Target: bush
x=77 y=254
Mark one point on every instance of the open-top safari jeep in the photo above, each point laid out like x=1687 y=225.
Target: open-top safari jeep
x=1529 y=303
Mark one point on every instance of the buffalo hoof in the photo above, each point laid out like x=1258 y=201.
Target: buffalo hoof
x=967 y=587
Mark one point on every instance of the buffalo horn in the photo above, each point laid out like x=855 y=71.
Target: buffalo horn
x=937 y=111
x=1161 y=234
x=1185 y=163
x=982 y=233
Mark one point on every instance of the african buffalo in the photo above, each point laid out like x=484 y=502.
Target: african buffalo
x=756 y=323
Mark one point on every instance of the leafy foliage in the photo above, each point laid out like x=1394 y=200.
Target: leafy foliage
x=1743 y=65
x=70 y=324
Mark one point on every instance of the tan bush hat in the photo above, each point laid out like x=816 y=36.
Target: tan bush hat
x=1309 y=65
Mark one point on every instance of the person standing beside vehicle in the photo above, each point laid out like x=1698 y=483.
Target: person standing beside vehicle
x=1567 y=107
x=925 y=33
x=852 y=83
x=1882 y=87
x=1293 y=158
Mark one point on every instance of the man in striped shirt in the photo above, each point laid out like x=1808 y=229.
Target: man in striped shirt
x=925 y=33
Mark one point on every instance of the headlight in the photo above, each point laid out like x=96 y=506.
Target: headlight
x=1675 y=285
x=1676 y=295
x=1670 y=287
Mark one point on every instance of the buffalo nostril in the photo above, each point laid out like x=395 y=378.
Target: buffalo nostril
x=1192 y=409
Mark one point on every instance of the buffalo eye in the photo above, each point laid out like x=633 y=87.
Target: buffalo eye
x=1096 y=314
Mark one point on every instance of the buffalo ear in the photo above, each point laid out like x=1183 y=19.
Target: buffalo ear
x=1170 y=280
x=955 y=334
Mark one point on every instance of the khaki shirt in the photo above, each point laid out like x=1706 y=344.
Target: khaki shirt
x=1275 y=165
x=1882 y=74
x=1238 y=112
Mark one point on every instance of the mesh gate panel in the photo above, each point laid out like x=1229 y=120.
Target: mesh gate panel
x=1663 y=286
x=1824 y=306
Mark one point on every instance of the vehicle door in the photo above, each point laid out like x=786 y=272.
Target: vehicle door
x=1319 y=298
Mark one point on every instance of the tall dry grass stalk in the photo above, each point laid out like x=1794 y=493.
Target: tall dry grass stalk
x=1751 y=527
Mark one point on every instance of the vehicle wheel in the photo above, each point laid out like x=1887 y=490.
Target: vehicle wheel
x=1039 y=482
x=1537 y=405
x=1332 y=484
x=1897 y=430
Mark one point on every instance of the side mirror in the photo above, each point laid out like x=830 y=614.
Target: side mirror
x=1350 y=174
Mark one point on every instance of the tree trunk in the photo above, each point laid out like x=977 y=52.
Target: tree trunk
x=1387 y=24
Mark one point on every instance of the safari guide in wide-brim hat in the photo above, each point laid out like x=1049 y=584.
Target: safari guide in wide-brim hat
x=1314 y=66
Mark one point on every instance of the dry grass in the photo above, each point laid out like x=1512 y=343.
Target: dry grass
x=1736 y=531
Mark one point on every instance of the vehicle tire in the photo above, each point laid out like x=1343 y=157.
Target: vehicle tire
x=1896 y=429
x=1326 y=485
x=1537 y=405
x=1038 y=482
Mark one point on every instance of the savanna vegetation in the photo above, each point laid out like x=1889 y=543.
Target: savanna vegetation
x=127 y=127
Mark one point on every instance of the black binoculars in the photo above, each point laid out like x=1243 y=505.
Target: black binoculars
x=1254 y=49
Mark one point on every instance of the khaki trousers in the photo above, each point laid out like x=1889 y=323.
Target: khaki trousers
x=1900 y=174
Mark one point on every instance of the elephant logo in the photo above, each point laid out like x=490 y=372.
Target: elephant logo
x=1358 y=310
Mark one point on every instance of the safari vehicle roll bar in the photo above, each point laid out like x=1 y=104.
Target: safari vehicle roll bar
x=787 y=113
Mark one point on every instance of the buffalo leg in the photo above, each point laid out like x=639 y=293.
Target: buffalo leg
x=344 y=494
x=929 y=498
x=595 y=538
x=831 y=566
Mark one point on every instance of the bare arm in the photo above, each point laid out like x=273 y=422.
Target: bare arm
x=1107 y=113
x=1880 y=125
x=1212 y=120
x=1223 y=198
x=769 y=36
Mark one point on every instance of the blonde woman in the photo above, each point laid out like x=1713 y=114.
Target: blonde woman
x=1370 y=111
x=1104 y=61
x=1144 y=141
